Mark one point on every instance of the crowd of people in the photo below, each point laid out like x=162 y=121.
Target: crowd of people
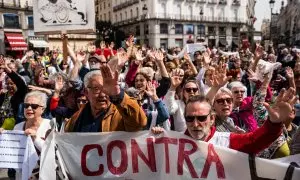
x=243 y=100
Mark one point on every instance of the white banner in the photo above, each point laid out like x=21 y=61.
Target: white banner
x=17 y=151
x=53 y=17
x=140 y=155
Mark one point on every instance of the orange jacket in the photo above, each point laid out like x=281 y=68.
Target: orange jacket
x=126 y=116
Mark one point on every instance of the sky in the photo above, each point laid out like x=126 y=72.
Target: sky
x=262 y=11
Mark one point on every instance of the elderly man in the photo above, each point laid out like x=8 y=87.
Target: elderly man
x=109 y=108
x=199 y=121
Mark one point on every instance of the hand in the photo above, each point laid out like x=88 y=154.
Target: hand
x=283 y=106
x=159 y=56
x=30 y=132
x=33 y=88
x=220 y=78
x=81 y=56
x=186 y=57
x=207 y=59
x=1 y=130
x=252 y=76
x=91 y=49
x=130 y=41
x=139 y=56
x=289 y=73
x=259 y=52
x=176 y=78
x=151 y=91
x=59 y=84
x=29 y=53
x=122 y=59
x=110 y=81
x=157 y=130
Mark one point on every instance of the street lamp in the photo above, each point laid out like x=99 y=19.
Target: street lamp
x=271 y=2
x=201 y=18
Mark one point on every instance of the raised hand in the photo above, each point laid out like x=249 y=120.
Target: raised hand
x=91 y=49
x=110 y=81
x=186 y=57
x=283 y=106
x=159 y=56
x=289 y=73
x=151 y=91
x=81 y=56
x=259 y=52
x=122 y=58
x=206 y=56
x=59 y=84
x=252 y=76
x=130 y=41
x=30 y=132
x=102 y=45
x=176 y=78
x=220 y=78
x=139 y=56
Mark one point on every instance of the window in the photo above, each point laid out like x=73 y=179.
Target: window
x=11 y=21
x=164 y=43
x=30 y=22
x=131 y=13
x=201 y=29
x=222 y=31
x=178 y=29
x=146 y=29
x=104 y=17
x=104 y=5
x=179 y=10
x=235 y=14
x=126 y=15
x=116 y=18
x=163 y=28
x=212 y=12
x=211 y=30
x=100 y=6
x=109 y=16
x=121 y=18
x=190 y=11
x=189 y=29
x=101 y=18
x=137 y=12
x=137 y=31
x=178 y=42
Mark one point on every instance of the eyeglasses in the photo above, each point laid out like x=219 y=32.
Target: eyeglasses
x=222 y=101
x=237 y=92
x=199 y=118
x=94 y=89
x=33 y=106
x=103 y=62
x=189 y=90
x=81 y=101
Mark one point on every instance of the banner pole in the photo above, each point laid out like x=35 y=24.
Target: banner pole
x=65 y=45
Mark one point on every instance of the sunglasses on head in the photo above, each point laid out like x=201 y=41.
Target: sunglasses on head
x=33 y=106
x=189 y=90
x=81 y=101
x=236 y=92
x=222 y=101
x=199 y=118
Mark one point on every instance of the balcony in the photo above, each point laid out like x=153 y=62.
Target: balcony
x=201 y=1
x=13 y=6
x=236 y=3
x=222 y=2
x=212 y=2
x=127 y=21
x=125 y=4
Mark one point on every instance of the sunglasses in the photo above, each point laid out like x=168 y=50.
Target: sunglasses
x=189 y=90
x=81 y=101
x=33 y=106
x=236 y=92
x=199 y=118
x=222 y=101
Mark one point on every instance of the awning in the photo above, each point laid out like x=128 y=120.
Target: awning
x=16 y=41
x=235 y=42
x=223 y=42
x=39 y=43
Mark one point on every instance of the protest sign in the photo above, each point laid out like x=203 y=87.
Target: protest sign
x=17 y=151
x=53 y=17
x=140 y=155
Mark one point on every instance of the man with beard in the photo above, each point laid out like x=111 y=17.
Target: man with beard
x=109 y=107
x=200 y=120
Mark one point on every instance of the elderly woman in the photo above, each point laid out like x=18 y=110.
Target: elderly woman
x=176 y=107
x=222 y=104
x=35 y=126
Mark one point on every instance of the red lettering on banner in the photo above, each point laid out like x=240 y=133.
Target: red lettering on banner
x=84 y=167
x=184 y=156
x=124 y=158
x=166 y=141
x=136 y=151
x=212 y=156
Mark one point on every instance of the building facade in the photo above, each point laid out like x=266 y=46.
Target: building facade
x=288 y=23
x=170 y=23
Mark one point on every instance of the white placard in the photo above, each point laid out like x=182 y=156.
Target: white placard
x=55 y=16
